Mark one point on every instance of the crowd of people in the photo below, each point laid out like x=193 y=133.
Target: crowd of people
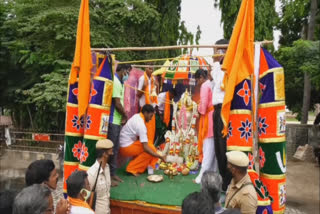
x=221 y=171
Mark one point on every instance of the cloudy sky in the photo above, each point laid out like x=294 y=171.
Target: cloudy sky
x=203 y=13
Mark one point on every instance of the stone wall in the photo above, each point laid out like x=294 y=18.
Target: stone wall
x=13 y=164
x=299 y=135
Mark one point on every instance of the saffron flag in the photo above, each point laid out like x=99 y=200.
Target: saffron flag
x=238 y=62
x=82 y=62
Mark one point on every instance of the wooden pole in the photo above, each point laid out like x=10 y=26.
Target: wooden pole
x=165 y=47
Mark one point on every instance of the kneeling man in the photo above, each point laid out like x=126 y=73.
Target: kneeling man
x=134 y=142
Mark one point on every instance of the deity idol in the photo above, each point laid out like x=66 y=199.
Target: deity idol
x=181 y=143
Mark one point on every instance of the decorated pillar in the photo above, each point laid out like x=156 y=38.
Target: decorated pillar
x=271 y=130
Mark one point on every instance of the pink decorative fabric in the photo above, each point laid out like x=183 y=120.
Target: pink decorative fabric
x=131 y=101
x=206 y=103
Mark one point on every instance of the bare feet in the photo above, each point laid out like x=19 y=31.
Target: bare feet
x=114 y=183
x=135 y=174
x=116 y=178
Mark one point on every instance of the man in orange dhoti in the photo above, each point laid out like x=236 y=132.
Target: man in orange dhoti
x=134 y=142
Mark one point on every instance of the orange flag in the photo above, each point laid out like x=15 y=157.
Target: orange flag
x=82 y=62
x=239 y=60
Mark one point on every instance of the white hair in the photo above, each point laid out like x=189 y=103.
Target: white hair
x=211 y=183
x=32 y=200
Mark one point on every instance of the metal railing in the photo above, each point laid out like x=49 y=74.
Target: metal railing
x=23 y=139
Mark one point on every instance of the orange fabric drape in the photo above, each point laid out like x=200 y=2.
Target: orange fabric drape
x=141 y=160
x=203 y=130
x=78 y=202
x=149 y=99
x=166 y=113
x=238 y=63
x=82 y=62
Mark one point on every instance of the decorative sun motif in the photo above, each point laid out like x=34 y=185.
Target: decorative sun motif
x=251 y=161
x=88 y=122
x=229 y=130
x=77 y=123
x=246 y=129
x=84 y=153
x=76 y=150
x=245 y=92
x=262 y=126
x=262 y=158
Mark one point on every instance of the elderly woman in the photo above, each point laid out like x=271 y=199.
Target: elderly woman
x=34 y=199
x=211 y=184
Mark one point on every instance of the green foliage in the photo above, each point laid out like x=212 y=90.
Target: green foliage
x=265 y=17
x=294 y=17
x=38 y=41
x=303 y=56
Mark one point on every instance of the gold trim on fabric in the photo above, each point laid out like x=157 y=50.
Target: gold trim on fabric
x=273 y=104
x=83 y=167
x=278 y=81
x=72 y=105
x=272 y=176
x=240 y=111
x=264 y=203
x=72 y=134
x=240 y=148
x=272 y=140
x=69 y=163
x=107 y=94
x=103 y=79
x=278 y=69
x=93 y=137
x=99 y=107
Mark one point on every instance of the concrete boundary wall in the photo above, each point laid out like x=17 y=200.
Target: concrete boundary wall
x=299 y=135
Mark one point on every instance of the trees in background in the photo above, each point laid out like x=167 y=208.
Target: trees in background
x=38 y=40
x=265 y=17
x=298 y=19
x=302 y=57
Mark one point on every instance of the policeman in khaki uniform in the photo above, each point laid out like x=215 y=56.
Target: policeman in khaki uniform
x=103 y=152
x=241 y=193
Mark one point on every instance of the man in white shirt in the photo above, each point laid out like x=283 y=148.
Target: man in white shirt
x=104 y=149
x=134 y=142
x=217 y=100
